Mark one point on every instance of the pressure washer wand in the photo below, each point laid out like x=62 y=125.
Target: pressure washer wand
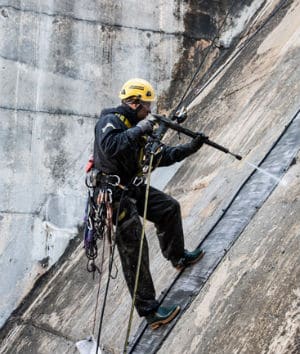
x=166 y=122
x=221 y=148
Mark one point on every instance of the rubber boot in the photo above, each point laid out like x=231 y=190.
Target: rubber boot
x=189 y=258
x=162 y=315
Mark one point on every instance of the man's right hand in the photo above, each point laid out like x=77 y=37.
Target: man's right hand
x=146 y=126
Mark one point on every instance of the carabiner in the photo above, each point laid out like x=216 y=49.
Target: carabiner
x=109 y=195
x=114 y=184
x=138 y=180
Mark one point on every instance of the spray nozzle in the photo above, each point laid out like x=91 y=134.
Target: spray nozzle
x=238 y=157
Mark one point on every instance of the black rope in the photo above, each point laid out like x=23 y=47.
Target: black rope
x=100 y=271
x=140 y=256
x=217 y=35
x=242 y=46
x=109 y=273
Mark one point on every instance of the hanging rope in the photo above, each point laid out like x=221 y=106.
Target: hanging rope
x=111 y=261
x=217 y=35
x=99 y=285
x=140 y=254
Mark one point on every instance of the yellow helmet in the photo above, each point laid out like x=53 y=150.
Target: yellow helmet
x=139 y=88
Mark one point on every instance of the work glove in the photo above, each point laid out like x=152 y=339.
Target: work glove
x=197 y=142
x=146 y=125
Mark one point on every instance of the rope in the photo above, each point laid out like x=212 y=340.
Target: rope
x=203 y=60
x=140 y=255
x=99 y=285
x=242 y=46
x=111 y=258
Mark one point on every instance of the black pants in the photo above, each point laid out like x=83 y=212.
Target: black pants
x=164 y=212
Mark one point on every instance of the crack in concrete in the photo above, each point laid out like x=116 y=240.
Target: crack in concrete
x=50 y=112
x=47 y=329
x=18 y=316
x=101 y=23
x=35 y=213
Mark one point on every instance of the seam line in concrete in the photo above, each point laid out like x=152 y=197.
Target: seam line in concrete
x=105 y=24
x=19 y=212
x=48 y=330
x=50 y=112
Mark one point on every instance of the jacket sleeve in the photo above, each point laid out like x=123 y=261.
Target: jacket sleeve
x=113 y=137
x=172 y=154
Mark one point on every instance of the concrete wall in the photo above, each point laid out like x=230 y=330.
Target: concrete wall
x=60 y=63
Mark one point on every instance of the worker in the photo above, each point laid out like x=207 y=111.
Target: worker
x=120 y=139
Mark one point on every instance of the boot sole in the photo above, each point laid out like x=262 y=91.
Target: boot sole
x=166 y=320
x=179 y=268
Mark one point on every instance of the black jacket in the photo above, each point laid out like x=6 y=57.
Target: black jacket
x=118 y=145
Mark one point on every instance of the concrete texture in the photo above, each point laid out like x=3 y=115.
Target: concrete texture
x=250 y=303
x=61 y=62
x=240 y=211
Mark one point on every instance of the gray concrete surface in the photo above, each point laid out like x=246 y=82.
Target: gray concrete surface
x=250 y=304
x=61 y=62
x=236 y=217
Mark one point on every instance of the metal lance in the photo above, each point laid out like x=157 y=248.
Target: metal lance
x=166 y=123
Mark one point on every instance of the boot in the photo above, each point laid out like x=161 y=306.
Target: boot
x=162 y=315
x=189 y=258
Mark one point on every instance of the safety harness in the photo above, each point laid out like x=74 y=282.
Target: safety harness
x=98 y=213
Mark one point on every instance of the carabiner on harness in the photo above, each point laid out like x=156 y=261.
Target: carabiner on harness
x=138 y=180
x=113 y=180
x=91 y=179
x=104 y=196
